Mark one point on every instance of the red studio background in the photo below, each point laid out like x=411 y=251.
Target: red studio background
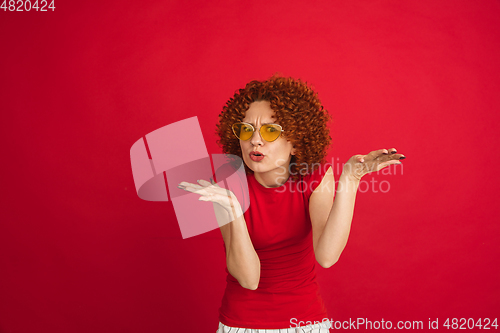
x=81 y=252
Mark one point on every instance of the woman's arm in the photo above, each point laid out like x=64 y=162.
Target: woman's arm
x=331 y=223
x=331 y=219
x=241 y=259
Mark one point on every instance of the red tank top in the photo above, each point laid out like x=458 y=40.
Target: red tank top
x=280 y=229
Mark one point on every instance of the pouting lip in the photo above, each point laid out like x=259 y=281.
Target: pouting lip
x=256 y=153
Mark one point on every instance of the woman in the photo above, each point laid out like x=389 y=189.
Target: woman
x=279 y=128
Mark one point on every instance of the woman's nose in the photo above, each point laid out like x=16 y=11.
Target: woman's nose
x=256 y=139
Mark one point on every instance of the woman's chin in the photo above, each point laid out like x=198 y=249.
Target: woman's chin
x=256 y=167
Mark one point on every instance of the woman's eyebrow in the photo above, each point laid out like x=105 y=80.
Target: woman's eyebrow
x=261 y=123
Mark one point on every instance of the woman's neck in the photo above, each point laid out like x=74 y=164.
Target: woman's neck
x=273 y=178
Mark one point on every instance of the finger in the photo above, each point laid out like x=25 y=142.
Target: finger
x=392 y=151
x=396 y=157
x=212 y=181
x=203 y=189
x=209 y=190
x=204 y=183
x=387 y=163
x=391 y=157
x=186 y=184
x=189 y=187
x=198 y=190
x=377 y=153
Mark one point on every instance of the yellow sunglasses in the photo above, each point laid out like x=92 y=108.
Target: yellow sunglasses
x=269 y=132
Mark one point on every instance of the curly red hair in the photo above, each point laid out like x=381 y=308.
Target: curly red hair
x=296 y=108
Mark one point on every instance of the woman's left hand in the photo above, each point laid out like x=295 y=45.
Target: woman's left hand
x=359 y=165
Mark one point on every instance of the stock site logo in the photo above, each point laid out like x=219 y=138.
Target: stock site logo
x=176 y=153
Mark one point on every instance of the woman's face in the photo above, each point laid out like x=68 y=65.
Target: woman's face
x=273 y=169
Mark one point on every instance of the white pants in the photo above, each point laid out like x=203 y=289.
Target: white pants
x=322 y=327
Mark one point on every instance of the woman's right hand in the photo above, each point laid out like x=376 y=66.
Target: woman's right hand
x=216 y=194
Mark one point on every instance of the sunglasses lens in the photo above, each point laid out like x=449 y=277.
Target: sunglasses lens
x=243 y=131
x=270 y=132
